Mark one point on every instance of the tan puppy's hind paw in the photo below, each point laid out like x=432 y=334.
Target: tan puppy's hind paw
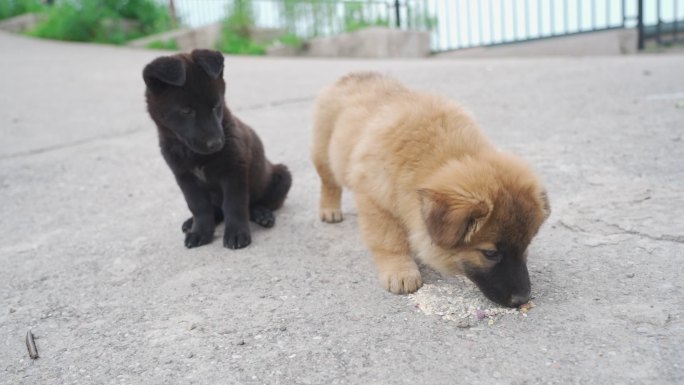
x=401 y=281
x=331 y=215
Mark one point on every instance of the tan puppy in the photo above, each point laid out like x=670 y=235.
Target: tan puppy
x=426 y=180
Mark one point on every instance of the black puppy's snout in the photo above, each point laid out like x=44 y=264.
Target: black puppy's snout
x=518 y=299
x=214 y=144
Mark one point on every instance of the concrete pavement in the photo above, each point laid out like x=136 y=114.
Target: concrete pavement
x=92 y=257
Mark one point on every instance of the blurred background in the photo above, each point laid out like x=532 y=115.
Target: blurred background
x=287 y=27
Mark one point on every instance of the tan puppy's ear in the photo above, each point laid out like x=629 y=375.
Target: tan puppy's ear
x=452 y=219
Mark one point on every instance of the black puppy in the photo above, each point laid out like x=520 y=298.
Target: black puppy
x=218 y=161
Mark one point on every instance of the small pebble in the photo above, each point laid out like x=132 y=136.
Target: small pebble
x=463 y=324
x=190 y=355
x=241 y=342
x=630 y=275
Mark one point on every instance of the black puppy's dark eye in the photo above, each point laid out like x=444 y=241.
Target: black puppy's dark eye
x=493 y=255
x=187 y=111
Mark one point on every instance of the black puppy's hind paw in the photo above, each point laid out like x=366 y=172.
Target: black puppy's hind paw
x=262 y=216
x=196 y=239
x=238 y=240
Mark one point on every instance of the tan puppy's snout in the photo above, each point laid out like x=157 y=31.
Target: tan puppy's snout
x=507 y=283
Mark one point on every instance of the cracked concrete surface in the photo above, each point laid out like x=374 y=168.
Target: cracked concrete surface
x=92 y=259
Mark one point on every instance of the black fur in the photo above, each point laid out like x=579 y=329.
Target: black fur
x=218 y=161
x=508 y=282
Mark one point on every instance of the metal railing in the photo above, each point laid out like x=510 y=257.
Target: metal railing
x=305 y=18
x=455 y=24
x=666 y=28
x=474 y=23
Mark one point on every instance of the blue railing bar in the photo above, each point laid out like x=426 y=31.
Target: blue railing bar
x=515 y=20
x=539 y=18
x=479 y=22
x=658 y=21
x=456 y=15
x=469 y=37
x=566 y=16
x=527 y=18
x=552 y=13
x=579 y=15
x=640 y=24
x=449 y=16
x=675 y=33
x=503 y=20
x=624 y=14
x=491 y=21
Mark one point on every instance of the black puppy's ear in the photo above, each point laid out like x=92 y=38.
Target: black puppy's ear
x=163 y=71
x=210 y=61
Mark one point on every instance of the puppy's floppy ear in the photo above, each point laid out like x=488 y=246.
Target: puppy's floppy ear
x=210 y=61
x=451 y=218
x=164 y=71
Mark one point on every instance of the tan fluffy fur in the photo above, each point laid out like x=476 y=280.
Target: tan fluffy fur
x=425 y=178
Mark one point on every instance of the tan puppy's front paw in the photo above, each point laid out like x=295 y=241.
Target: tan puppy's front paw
x=331 y=215
x=401 y=281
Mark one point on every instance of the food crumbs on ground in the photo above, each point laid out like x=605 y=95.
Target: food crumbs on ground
x=524 y=308
x=457 y=300
x=490 y=322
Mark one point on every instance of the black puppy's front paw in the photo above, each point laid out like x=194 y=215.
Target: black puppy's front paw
x=262 y=216
x=196 y=239
x=237 y=240
x=187 y=225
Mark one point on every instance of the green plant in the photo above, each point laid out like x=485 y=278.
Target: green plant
x=309 y=18
x=151 y=15
x=236 y=34
x=355 y=18
x=304 y=19
x=419 y=18
x=103 y=21
x=11 y=8
x=170 y=45
x=291 y=40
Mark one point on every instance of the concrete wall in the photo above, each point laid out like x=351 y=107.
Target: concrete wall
x=374 y=42
x=612 y=42
x=186 y=39
x=204 y=37
x=20 y=23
